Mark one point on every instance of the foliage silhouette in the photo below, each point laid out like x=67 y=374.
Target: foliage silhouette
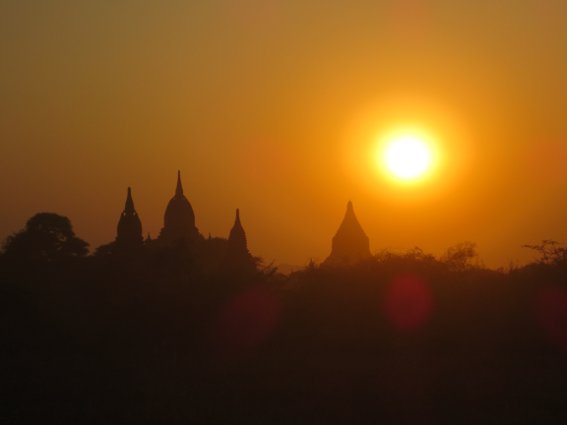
x=550 y=252
x=462 y=256
x=172 y=335
x=47 y=237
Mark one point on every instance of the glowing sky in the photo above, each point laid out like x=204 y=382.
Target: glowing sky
x=269 y=106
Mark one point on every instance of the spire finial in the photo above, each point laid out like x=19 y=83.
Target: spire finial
x=237 y=237
x=179 y=188
x=129 y=207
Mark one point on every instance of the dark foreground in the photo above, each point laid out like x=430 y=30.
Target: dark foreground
x=393 y=341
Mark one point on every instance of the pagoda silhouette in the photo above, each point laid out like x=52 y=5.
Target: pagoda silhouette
x=129 y=229
x=179 y=229
x=179 y=219
x=350 y=244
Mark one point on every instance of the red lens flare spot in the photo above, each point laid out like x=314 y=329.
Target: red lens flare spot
x=246 y=321
x=552 y=315
x=408 y=302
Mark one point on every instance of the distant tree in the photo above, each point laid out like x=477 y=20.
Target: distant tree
x=417 y=254
x=105 y=250
x=47 y=237
x=550 y=252
x=462 y=256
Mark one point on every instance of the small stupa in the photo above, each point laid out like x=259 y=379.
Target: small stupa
x=129 y=230
x=238 y=257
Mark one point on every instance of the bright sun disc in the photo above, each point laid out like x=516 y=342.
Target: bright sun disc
x=407 y=156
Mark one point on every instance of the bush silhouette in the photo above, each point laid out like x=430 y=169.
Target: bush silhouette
x=47 y=237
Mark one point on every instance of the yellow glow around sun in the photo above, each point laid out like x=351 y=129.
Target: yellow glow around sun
x=407 y=155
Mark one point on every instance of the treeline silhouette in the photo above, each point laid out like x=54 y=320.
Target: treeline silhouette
x=172 y=335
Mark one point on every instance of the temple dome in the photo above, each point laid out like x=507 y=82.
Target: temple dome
x=179 y=218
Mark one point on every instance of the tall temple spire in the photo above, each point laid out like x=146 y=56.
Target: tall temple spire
x=129 y=207
x=179 y=218
x=129 y=230
x=237 y=237
x=350 y=244
x=179 y=188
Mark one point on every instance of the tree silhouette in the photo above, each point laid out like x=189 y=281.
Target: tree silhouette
x=462 y=256
x=550 y=252
x=47 y=237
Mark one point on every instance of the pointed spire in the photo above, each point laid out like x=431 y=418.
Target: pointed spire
x=350 y=222
x=237 y=254
x=129 y=207
x=179 y=218
x=350 y=216
x=237 y=229
x=350 y=244
x=129 y=230
x=237 y=236
x=179 y=188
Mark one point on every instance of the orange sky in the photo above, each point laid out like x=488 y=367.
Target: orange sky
x=271 y=106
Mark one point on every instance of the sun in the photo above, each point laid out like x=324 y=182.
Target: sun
x=407 y=155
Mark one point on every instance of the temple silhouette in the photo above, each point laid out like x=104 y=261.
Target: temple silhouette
x=179 y=231
x=129 y=229
x=350 y=244
x=179 y=219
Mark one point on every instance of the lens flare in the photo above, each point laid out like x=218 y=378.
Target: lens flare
x=245 y=322
x=408 y=302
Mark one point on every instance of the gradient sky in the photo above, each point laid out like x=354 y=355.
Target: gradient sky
x=271 y=106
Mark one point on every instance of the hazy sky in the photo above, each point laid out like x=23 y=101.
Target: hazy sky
x=273 y=107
